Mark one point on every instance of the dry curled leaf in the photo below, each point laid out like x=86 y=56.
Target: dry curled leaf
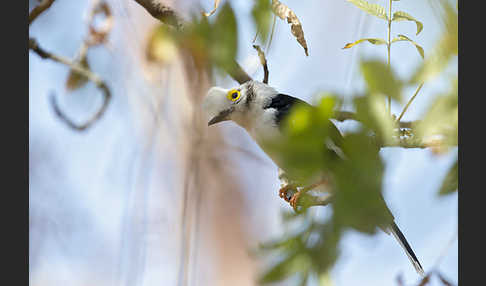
x=284 y=12
x=420 y=50
x=374 y=41
x=403 y=16
x=216 y=4
x=99 y=33
x=75 y=79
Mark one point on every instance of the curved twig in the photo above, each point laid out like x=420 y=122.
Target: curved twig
x=34 y=46
x=39 y=9
x=263 y=61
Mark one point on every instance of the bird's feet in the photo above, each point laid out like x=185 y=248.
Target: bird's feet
x=286 y=192
x=294 y=200
x=293 y=197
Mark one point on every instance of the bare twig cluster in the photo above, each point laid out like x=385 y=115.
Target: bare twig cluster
x=80 y=71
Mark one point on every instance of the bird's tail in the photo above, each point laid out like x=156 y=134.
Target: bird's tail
x=408 y=250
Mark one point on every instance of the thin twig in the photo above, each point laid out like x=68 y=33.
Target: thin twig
x=39 y=9
x=256 y=35
x=263 y=61
x=271 y=34
x=34 y=46
x=410 y=101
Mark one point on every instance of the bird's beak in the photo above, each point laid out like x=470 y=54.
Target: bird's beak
x=222 y=116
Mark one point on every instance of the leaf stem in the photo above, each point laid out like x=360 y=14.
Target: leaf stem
x=410 y=102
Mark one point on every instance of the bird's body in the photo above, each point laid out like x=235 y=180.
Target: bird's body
x=260 y=110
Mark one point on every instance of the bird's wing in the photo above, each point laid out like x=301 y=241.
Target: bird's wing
x=283 y=104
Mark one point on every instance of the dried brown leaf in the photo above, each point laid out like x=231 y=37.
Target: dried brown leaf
x=75 y=79
x=425 y=280
x=99 y=34
x=374 y=41
x=284 y=13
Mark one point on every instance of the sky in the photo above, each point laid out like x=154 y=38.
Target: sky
x=89 y=219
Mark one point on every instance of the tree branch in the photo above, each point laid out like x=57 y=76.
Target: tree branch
x=34 y=46
x=263 y=61
x=39 y=9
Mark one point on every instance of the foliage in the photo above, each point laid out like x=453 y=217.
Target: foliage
x=356 y=182
x=360 y=208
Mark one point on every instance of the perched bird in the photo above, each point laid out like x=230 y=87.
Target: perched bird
x=261 y=110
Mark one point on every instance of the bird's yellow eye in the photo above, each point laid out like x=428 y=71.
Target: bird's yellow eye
x=234 y=95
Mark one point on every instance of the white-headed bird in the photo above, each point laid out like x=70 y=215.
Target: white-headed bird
x=261 y=111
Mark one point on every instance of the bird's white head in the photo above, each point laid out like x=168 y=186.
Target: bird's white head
x=242 y=104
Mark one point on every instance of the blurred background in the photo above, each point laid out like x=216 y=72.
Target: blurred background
x=148 y=195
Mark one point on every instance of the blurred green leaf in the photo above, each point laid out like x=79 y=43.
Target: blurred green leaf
x=224 y=40
x=262 y=14
x=370 y=112
x=372 y=9
x=303 y=153
x=380 y=79
x=443 y=51
x=161 y=46
x=358 y=202
x=325 y=279
x=290 y=265
x=405 y=38
x=450 y=183
x=441 y=119
x=374 y=41
x=403 y=16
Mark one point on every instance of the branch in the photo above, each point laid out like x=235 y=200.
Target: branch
x=162 y=13
x=168 y=16
x=263 y=61
x=39 y=9
x=34 y=46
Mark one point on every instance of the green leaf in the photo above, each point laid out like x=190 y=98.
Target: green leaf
x=262 y=14
x=380 y=79
x=405 y=38
x=444 y=50
x=358 y=202
x=403 y=16
x=374 y=41
x=290 y=265
x=441 y=119
x=372 y=9
x=224 y=40
x=450 y=182
x=370 y=111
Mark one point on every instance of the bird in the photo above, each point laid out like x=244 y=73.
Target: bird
x=261 y=110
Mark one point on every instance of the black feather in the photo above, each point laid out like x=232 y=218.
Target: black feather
x=408 y=249
x=283 y=104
